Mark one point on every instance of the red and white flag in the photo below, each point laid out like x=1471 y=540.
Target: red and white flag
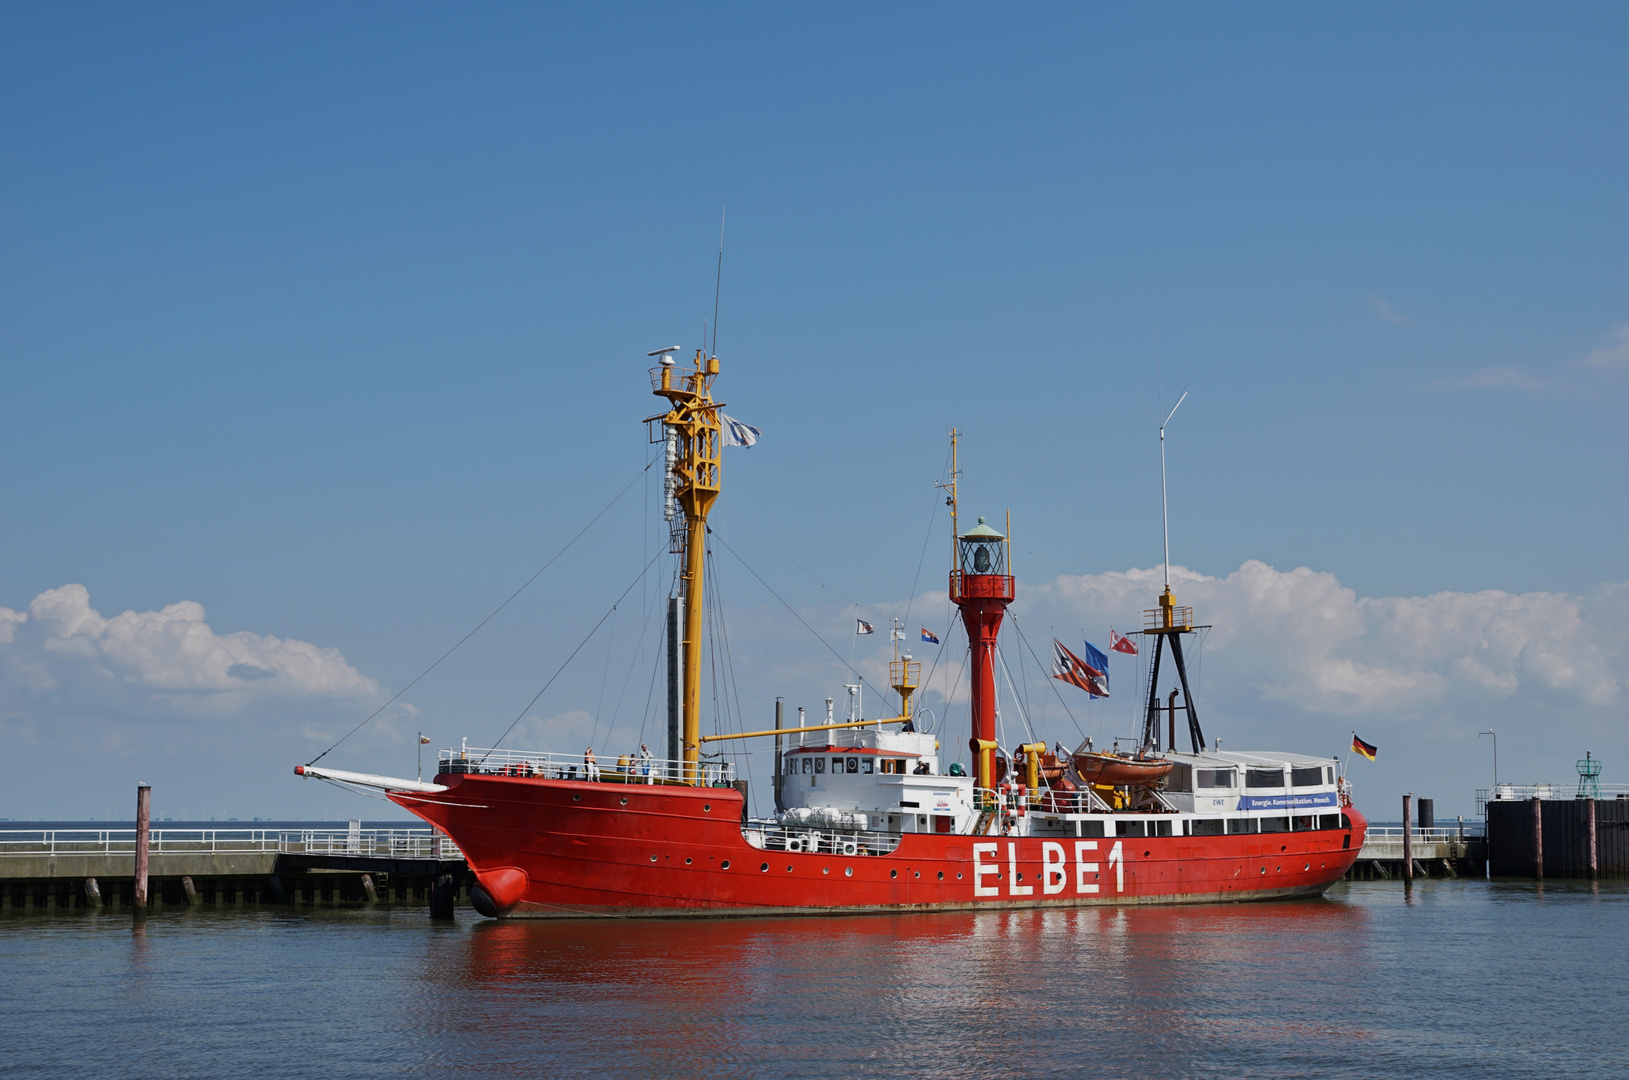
x=1077 y=672
x=1121 y=643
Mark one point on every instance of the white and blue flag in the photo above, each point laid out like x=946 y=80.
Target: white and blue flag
x=738 y=434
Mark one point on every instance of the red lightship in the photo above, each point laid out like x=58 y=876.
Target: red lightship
x=870 y=815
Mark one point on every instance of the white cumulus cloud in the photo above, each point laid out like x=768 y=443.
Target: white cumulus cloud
x=1301 y=638
x=172 y=651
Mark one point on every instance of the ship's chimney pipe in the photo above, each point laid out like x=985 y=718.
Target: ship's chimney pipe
x=779 y=705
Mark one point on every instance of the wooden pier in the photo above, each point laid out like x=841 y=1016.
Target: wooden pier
x=90 y=868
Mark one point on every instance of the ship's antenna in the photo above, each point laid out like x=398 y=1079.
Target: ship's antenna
x=1165 y=510
x=718 y=282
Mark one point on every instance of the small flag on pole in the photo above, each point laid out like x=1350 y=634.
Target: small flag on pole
x=1096 y=659
x=896 y=634
x=1364 y=749
x=1071 y=669
x=424 y=740
x=1120 y=643
x=736 y=433
x=863 y=627
x=929 y=636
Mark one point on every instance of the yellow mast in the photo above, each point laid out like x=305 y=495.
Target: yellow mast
x=692 y=420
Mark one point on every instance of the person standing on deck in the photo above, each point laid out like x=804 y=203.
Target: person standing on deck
x=591 y=764
x=645 y=766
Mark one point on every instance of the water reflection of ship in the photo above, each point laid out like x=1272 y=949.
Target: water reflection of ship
x=872 y=814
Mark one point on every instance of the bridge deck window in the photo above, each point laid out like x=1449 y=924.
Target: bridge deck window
x=1264 y=778
x=1275 y=824
x=1241 y=825
x=1216 y=778
x=1312 y=776
x=1329 y=821
x=1207 y=826
x=1128 y=828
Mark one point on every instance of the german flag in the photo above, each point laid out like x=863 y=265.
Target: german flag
x=1361 y=747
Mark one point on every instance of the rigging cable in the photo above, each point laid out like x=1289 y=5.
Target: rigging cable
x=489 y=618
x=574 y=652
x=1049 y=680
x=798 y=617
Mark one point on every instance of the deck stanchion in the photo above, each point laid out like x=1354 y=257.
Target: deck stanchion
x=144 y=821
x=1538 y=839
x=1408 y=840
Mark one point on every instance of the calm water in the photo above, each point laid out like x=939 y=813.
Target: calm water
x=1463 y=978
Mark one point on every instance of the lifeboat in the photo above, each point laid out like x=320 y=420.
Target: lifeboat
x=1120 y=770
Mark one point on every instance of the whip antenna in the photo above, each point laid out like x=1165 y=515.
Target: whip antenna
x=718 y=282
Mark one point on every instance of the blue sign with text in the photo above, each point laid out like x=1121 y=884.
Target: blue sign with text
x=1286 y=802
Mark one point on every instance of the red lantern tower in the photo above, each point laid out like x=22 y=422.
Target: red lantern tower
x=981 y=587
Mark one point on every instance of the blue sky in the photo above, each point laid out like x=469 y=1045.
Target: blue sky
x=332 y=322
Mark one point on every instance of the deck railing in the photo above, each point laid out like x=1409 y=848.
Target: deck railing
x=1523 y=792
x=391 y=843
x=613 y=769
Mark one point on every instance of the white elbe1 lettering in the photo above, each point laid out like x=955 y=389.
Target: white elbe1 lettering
x=980 y=870
x=1117 y=859
x=1053 y=875
x=1082 y=867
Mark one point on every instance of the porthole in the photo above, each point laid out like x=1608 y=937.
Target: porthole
x=1307 y=866
x=1264 y=870
x=1145 y=854
x=725 y=865
x=893 y=873
x=706 y=807
x=653 y=859
x=1020 y=877
x=788 y=869
x=825 y=869
x=578 y=797
x=916 y=873
x=942 y=875
x=848 y=871
x=764 y=868
x=958 y=875
x=624 y=800
x=687 y=862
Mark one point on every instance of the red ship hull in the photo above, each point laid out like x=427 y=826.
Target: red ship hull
x=557 y=848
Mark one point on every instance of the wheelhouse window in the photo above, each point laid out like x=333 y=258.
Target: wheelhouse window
x=1264 y=778
x=820 y=764
x=867 y=763
x=1313 y=776
x=853 y=764
x=1216 y=778
x=791 y=765
x=808 y=764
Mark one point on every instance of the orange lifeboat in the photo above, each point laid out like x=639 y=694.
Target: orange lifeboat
x=1120 y=770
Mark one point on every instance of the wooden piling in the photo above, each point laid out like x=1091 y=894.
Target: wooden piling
x=1594 y=866
x=367 y=887
x=93 y=895
x=1538 y=838
x=144 y=822
x=1408 y=839
x=193 y=899
x=442 y=896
